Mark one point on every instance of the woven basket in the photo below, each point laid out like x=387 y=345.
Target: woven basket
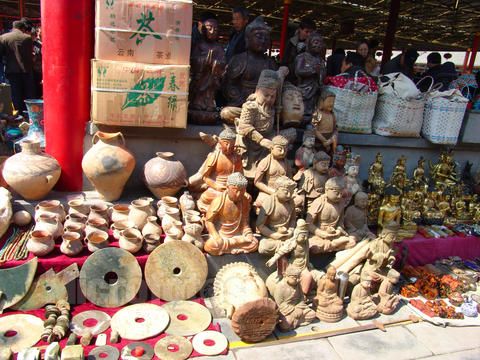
x=442 y=120
x=354 y=110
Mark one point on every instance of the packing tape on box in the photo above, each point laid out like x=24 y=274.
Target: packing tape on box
x=140 y=91
x=167 y=35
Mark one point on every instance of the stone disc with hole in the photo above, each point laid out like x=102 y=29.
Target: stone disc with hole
x=173 y=348
x=176 y=270
x=187 y=318
x=210 y=343
x=140 y=321
x=101 y=323
x=110 y=277
x=255 y=320
x=105 y=352
x=20 y=331
x=127 y=351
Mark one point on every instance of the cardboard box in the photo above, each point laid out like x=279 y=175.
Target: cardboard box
x=132 y=94
x=146 y=31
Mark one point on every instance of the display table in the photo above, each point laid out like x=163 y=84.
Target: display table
x=421 y=251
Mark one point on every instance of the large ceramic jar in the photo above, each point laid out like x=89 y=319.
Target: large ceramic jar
x=108 y=164
x=31 y=173
x=164 y=176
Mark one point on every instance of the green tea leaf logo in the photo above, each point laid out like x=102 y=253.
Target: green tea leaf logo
x=139 y=98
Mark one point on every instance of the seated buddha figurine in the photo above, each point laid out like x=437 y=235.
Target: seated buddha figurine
x=220 y=163
x=271 y=168
x=328 y=303
x=227 y=220
x=325 y=219
x=294 y=312
x=312 y=182
x=276 y=217
x=388 y=300
x=390 y=212
x=444 y=172
x=419 y=181
x=356 y=218
x=361 y=305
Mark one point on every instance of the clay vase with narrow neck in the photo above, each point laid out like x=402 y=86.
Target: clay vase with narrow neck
x=139 y=212
x=31 y=173
x=72 y=244
x=164 y=176
x=52 y=207
x=119 y=212
x=40 y=243
x=108 y=164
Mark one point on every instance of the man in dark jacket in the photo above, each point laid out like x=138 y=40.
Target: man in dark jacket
x=236 y=45
x=441 y=73
x=402 y=63
x=17 y=47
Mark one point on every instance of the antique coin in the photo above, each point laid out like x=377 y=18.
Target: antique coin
x=176 y=270
x=105 y=352
x=210 y=343
x=145 y=351
x=110 y=277
x=173 y=348
x=187 y=318
x=140 y=321
x=20 y=331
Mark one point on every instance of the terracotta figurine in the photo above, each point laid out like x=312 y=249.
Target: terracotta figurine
x=276 y=218
x=289 y=298
x=338 y=163
x=312 y=182
x=243 y=70
x=390 y=212
x=220 y=163
x=356 y=218
x=304 y=155
x=361 y=305
x=325 y=217
x=292 y=106
x=310 y=71
x=328 y=303
x=388 y=300
x=207 y=63
x=324 y=123
x=351 y=177
x=227 y=220
x=271 y=168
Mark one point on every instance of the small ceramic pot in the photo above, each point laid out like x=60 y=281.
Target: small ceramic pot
x=51 y=224
x=40 y=243
x=99 y=210
x=173 y=234
x=75 y=218
x=131 y=240
x=72 y=244
x=166 y=202
x=78 y=206
x=151 y=227
x=119 y=212
x=171 y=218
x=151 y=209
x=75 y=227
x=54 y=207
x=96 y=240
x=96 y=224
x=151 y=242
x=118 y=226
x=139 y=212
x=186 y=202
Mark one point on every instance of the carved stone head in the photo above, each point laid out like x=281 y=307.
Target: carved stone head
x=293 y=107
x=257 y=36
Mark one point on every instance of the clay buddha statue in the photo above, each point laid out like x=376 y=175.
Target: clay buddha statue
x=271 y=168
x=351 y=177
x=329 y=306
x=325 y=219
x=388 y=300
x=243 y=70
x=305 y=154
x=324 y=123
x=375 y=176
x=292 y=106
x=255 y=125
x=361 y=305
x=310 y=70
x=227 y=220
x=356 y=218
x=390 y=212
x=207 y=63
x=276 y=217
x=294 y=312
x=312 y=182
x=220 y=163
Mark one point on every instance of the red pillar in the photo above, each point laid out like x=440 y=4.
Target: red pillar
x=21 y=5
x=476 y=43
x=67 y=32
x=465 y=61
x=284 y=33
x=391 y=28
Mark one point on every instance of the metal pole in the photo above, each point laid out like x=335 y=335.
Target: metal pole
x=391 y=28
x=66 y=83
x=284 y=33
x=476 y=43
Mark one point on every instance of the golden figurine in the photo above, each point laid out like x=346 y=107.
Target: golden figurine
x=399 y=174
x=390 y=212
x=375 y=176
x=419 y=181
x=444 y=173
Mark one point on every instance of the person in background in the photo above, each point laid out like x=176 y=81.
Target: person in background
x=297 y=44
x=441 y=73
x=352 y=63
x=334 y=62
x=37 y=62
x=236 y=45
x=403 y=63
x=197 y=26
x=17 y=47
x=363 y=49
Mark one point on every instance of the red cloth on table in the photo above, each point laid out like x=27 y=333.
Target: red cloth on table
x=423 y=251
x=110 y=311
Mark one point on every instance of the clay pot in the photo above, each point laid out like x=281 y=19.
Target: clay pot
x=151 y=242
x=96 y=224
x=99 y=211
x=75 y=218
x=186 y=202
x=22 y=218
x=151 y=209
x=78 y=206
x=173 y=234
x=151 y=227
x=139 y=212
x=165 y=202
x=120 y=212
x=164 y=176
x=131 y=240
x=72 y=244
x=118 y=226
x=171 y=218
x=52 y=207
x=74 y=227
x=108 y=164
x=96 y=240
x=31 y=173
x=50 y=224
x=40 y=243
